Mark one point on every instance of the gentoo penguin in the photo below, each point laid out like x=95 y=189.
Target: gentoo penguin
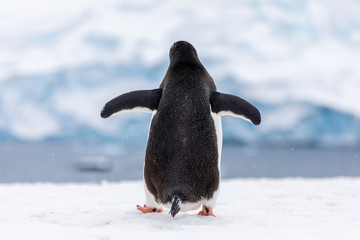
x=182 y=161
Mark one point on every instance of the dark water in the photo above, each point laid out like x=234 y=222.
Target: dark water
x=111 y=162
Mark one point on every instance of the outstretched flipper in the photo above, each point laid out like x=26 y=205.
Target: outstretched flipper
x=146 y=209
x=225 y=104
x=145 y=100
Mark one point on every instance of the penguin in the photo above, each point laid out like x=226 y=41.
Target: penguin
x=183 y=153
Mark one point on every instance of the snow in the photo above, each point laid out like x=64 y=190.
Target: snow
x=291 y=208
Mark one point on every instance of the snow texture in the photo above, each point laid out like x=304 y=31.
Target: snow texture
x=285 y=209
x=298 y=61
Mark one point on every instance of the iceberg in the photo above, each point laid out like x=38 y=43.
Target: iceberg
x=296 y=60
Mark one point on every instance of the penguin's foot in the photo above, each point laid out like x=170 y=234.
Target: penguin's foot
x=146 y=209
x=206 y=211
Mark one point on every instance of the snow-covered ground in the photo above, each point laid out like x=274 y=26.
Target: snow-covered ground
x=247 y=209
x=298 y=61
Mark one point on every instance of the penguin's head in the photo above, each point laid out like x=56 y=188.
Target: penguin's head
x=183 y=51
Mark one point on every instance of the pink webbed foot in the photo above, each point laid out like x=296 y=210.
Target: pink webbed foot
x=206 y=211
x=146 y=209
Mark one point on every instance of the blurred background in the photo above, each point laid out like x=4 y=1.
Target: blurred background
x=61 y=61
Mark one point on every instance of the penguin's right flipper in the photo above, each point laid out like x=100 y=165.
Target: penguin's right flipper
x=144 y=100
x=225 y=104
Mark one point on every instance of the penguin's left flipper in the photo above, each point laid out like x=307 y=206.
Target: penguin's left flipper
x=225 y=104
x=144 y=100
x=146 y=209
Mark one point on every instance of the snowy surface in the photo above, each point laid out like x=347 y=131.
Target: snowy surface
x=296 y=60
x=247 y=209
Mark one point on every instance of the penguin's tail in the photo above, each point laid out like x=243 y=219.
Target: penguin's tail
x=176 y=201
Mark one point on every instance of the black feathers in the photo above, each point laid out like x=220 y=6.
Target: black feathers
x=175 y=207
x=148 y=99
x=226 y=104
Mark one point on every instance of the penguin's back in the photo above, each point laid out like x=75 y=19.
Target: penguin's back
x=182 y=155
